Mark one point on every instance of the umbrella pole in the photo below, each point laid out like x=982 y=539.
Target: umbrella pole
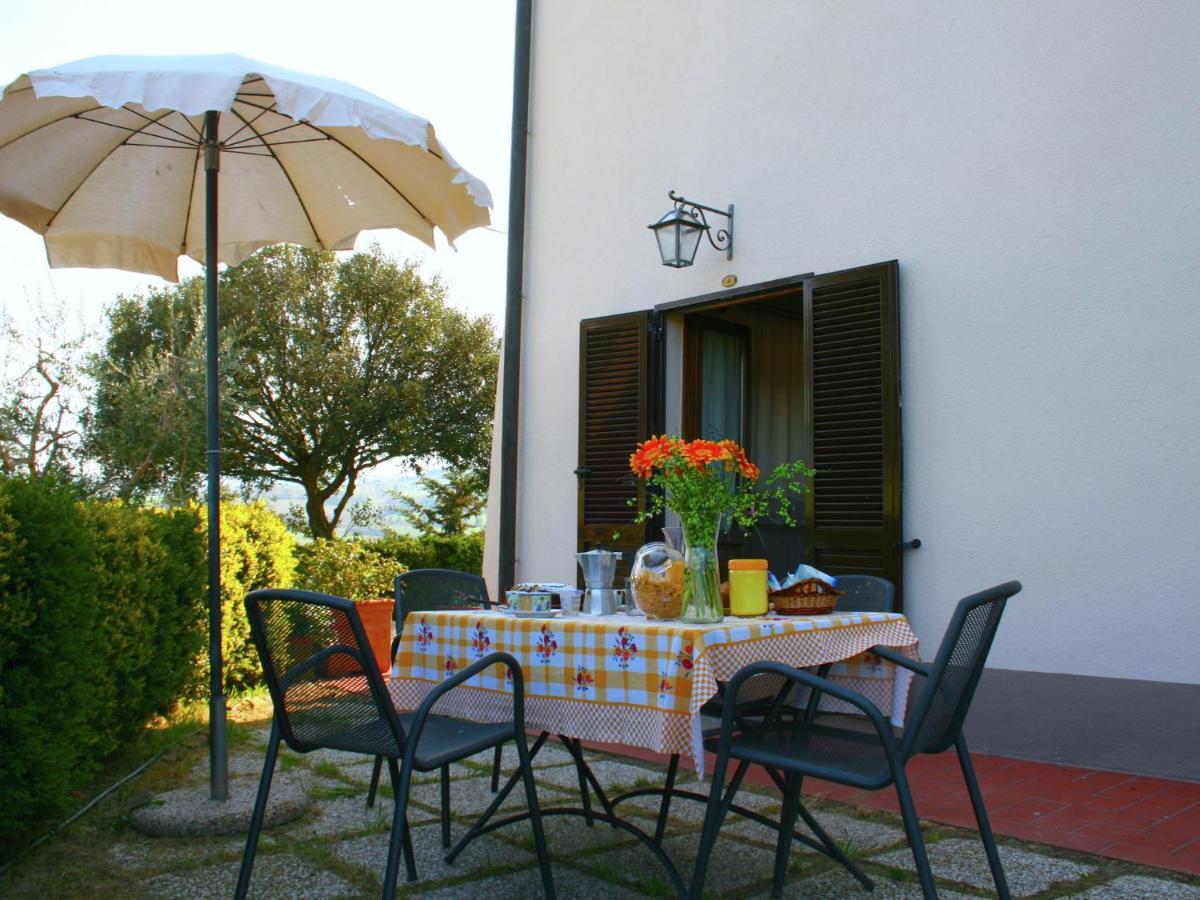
x=217 y=748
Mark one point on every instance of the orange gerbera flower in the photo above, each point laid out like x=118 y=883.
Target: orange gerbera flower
x=739 y=460
x=651 y=453
x=700 y=453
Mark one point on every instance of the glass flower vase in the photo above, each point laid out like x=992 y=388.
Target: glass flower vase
x=702 y=577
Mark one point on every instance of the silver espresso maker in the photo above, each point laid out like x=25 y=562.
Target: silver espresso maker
x=599 y=568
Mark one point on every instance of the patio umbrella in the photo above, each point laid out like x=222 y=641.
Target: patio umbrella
x=116 y=161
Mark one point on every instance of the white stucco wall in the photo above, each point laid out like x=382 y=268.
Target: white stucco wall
x=1034 y=168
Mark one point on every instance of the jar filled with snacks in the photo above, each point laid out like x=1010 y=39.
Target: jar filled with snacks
x=657 y=581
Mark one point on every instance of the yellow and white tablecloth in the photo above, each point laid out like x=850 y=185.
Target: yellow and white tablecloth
x=626 y=680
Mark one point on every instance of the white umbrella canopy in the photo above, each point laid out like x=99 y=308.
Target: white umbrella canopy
x=104 y=158
x=116 y=161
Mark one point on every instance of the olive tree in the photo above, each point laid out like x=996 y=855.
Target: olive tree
x=328 y=368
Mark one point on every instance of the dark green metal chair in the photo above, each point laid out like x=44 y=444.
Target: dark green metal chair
x=328 y=693
x=792 y=749
x=435 y=589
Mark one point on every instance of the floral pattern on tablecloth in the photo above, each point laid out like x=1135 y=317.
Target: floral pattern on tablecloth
x=628 y=680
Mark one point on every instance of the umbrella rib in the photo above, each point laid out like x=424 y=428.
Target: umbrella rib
x=229 y=140
x=52 y=122
x=382 y=177
x=182 y=141
x=249 y=145
x=262 y=135
x=159 y=122
x=91 y=171
x=287 y=175
x=187 y=218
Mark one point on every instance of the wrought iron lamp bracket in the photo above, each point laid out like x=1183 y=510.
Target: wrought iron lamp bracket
x=723 y=239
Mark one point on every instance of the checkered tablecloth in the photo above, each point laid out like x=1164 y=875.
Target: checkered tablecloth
x=626 y=680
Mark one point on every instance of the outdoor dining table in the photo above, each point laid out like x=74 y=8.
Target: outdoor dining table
x=627 y=680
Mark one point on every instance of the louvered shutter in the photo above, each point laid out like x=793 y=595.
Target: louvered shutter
x=616 y=396
x=852 y=332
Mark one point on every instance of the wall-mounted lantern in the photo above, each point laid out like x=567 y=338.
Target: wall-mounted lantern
x=678 y=232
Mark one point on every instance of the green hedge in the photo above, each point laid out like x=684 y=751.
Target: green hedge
x=103 y=624
x=50 y=654
x=257 y=551
x=463 y=552
x=150 y=579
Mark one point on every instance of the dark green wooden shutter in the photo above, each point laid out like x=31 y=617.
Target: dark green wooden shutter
x=616 y=396
x=853 y=339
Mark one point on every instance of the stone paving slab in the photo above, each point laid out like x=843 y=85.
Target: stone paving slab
x=610 y=774
x=965 y=861
x=733 y=867
x=137 y=852
x=274 y=875
x=346 y=817
x=856 y=836
x=527 y=884
x=361 y=773
x=468 y=797
x=691 y=812
x=838 y=884
x=569 y=837
x=482 y=855
x=1142 y=887
x=551 y=754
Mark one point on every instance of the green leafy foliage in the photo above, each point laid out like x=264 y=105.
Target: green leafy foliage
x=452 y=503
x=146 y=422
x=462 y=552
x=704 y=481
x=328 y=368
x=150 y=579
x=48 y=651
x=257 y=551
x=346 y=568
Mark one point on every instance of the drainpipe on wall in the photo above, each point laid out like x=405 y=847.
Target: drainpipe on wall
x=510 y=396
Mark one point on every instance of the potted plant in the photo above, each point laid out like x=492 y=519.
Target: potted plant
x=703 y=482
x=352 y=570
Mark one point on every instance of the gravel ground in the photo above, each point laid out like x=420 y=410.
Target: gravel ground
x=335 y=847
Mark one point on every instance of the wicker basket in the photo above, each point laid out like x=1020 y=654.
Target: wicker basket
x=811 y=597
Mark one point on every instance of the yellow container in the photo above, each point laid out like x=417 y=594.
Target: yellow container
x=748 y=587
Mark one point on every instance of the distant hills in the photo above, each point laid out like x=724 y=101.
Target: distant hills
x=374 y=485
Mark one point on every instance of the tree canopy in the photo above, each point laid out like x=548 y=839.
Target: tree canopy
x=328 y=368
x=450 y=505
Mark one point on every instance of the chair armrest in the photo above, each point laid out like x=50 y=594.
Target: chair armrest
x=395 y=647
x=900 y=659
x=497 y=658
x=817 y=683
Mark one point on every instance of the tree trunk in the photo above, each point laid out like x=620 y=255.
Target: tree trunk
x=314 y=505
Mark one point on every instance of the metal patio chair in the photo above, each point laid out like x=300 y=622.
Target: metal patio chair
x=435 y=589
x=865 y=593
x=328 y=693
x=791 y=750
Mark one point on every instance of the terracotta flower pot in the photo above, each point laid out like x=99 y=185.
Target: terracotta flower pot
x=376 y=616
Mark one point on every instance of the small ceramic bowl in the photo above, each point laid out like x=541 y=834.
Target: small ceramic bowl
x=529 y=601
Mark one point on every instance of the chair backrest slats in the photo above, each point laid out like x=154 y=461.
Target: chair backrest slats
x=321 y=674
x=941 y=708
x=865 y=593
x=430 y=589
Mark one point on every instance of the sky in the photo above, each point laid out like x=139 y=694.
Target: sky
x=449 y=61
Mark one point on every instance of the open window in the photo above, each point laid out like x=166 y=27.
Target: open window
x=804 y=368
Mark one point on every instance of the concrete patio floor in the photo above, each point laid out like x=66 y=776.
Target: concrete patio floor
x=337 y=848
